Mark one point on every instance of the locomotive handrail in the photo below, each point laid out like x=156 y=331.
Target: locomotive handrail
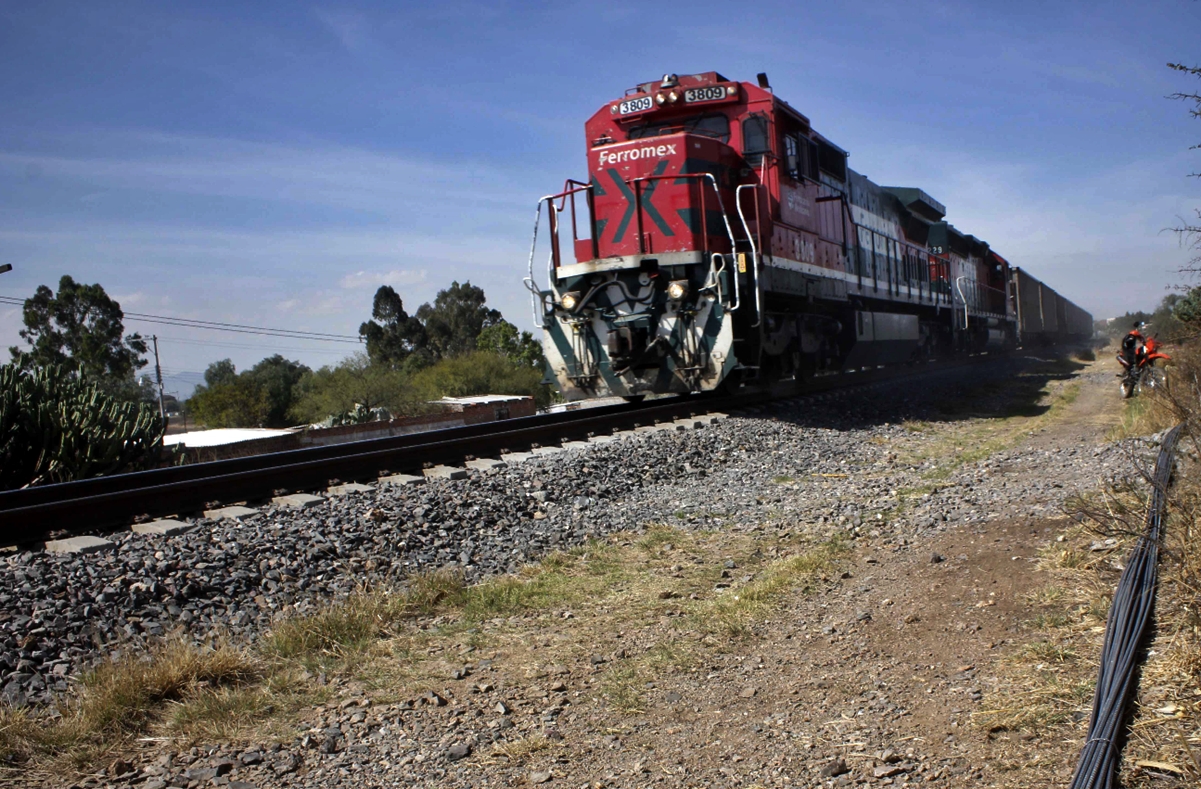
x=755 y=268
x=959 y=287
x=747 y=229
x=715 y=273
x=536 y=297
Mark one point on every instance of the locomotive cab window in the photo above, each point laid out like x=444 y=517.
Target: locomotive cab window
x=834 y=162
x=792 y=157
x=715 y=126
x=754 y=139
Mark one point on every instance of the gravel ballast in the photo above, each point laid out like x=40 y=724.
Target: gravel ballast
x=60 y=613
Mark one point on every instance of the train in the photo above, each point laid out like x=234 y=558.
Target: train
x=721 y=242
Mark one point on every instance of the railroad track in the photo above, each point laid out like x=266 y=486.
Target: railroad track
x=92 y=506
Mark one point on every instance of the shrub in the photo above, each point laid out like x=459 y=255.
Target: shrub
x=480 y=373
x=57 y=426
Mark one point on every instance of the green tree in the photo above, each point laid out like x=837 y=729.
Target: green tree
x=446 y=328
x=277 y=378
x=355 y=382
x=222 y=372
x=503 y=339
x=82 y=329
x=392 y=335
x=478 y=373
x=455 y=319
x=262 y=396
x=1188 y=309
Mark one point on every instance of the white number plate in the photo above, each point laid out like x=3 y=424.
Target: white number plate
x=639 y=104
x=694 y=95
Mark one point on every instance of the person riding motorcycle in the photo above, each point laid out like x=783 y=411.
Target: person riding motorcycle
x=1133 y=344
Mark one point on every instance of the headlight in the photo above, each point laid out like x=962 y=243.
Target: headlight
x=570 y=300
x=677 y=290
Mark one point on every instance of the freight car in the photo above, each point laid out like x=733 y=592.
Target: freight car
x=719 y=240
x=1042 y=316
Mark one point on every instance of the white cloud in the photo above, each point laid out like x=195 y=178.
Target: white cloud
x=340 y=177
x=127 y=300
x=375 y=279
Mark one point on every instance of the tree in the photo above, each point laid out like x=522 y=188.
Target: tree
x=354 y=383
x=229 y=405
x=222 y=372
x=396 y=335
x=448 y=327
x=479 y=373
x=1188 y=309
x=277 y=378
x=81 y=328
x=502 y=338
x=259 y=397
x=455 y=319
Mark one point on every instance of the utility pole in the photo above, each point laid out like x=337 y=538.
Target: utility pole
x=158 y=374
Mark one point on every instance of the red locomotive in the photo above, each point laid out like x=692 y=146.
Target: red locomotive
x=719 y=240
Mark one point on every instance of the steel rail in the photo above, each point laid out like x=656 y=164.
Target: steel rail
x=95 y=505
x=44 y=494
x=91 y=505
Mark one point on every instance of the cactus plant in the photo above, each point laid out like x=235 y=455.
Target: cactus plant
x=55 y=426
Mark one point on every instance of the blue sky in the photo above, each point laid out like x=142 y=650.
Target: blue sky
x=274 y=163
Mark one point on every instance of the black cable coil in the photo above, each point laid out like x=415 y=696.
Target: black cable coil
x=1129 y=618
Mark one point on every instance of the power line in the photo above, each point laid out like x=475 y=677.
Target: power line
x=250 y=347
x=238 y=328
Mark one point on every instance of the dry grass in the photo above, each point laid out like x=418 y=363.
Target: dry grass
x=1167 y=722
x=1049 y=681
x=122 y=699
x=518 y=751
x=395 y=642
x=328 y=638
x=733 y=614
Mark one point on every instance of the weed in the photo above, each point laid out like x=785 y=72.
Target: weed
x=1047 y=652
x=1050 y=621
x=730 y=614
x=520 y=750
x=321 y=639
x=1051 y=594
x=122 y=698
x=657 y=536
x=622 y=687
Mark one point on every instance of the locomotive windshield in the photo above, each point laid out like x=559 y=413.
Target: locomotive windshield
x=716 y=126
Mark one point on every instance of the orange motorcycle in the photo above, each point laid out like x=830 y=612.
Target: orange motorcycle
x=1143 y=362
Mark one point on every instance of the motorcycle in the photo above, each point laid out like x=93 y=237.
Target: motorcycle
x=1143 y=364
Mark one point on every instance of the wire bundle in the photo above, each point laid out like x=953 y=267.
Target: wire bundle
x=1129 y=618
